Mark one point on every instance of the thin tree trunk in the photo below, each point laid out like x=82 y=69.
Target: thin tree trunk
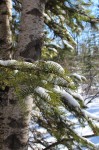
x=5 y=30
x=14 y=120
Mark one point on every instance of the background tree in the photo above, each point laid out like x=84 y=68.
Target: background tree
x=87 y=56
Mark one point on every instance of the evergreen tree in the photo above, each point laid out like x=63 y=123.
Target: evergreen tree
x=44 y=82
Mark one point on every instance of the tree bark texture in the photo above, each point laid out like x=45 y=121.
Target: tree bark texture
x=31 y=29
x=14 y=120
x=5 y=28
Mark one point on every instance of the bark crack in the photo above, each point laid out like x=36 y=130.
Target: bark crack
x=13 y=142
x=35 y=12
x=33 y=49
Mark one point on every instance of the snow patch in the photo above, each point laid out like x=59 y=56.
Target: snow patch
x=42 y=92
x=68 y=98
x=67 y=44
x=57 y=66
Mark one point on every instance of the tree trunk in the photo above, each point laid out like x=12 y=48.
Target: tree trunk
x=14 y=120
x=5 y=30
x=31 y=31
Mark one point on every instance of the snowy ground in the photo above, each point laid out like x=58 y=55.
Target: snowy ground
x=93 y=108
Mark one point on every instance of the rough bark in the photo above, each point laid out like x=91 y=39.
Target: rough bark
x=5 y=30
x=31 y=30
x=14 y=120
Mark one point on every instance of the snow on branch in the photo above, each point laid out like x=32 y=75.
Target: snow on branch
x=84 y=140
x=89 y=115
x=67 y=97
x=49 y=66
x=79 y=77
x=57 y=67
x=16 y=64
x=43 y=93
x=77 y=95
x=68 y=45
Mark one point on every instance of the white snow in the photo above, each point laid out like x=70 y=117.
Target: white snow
x=67 y=44
x=7 y=62
x=69 y=98
x=53 y=49
x=83 y=78
x=42 y=92
x=77 y=95
x=62 y=17
x=90 y=115
x=69 y=35
x=46 y=16
x=82 y=131
x=92 y=112
x=17 y=63
x=16 y=71
x=58 y=67
x=79 y=77
x=61 y=81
